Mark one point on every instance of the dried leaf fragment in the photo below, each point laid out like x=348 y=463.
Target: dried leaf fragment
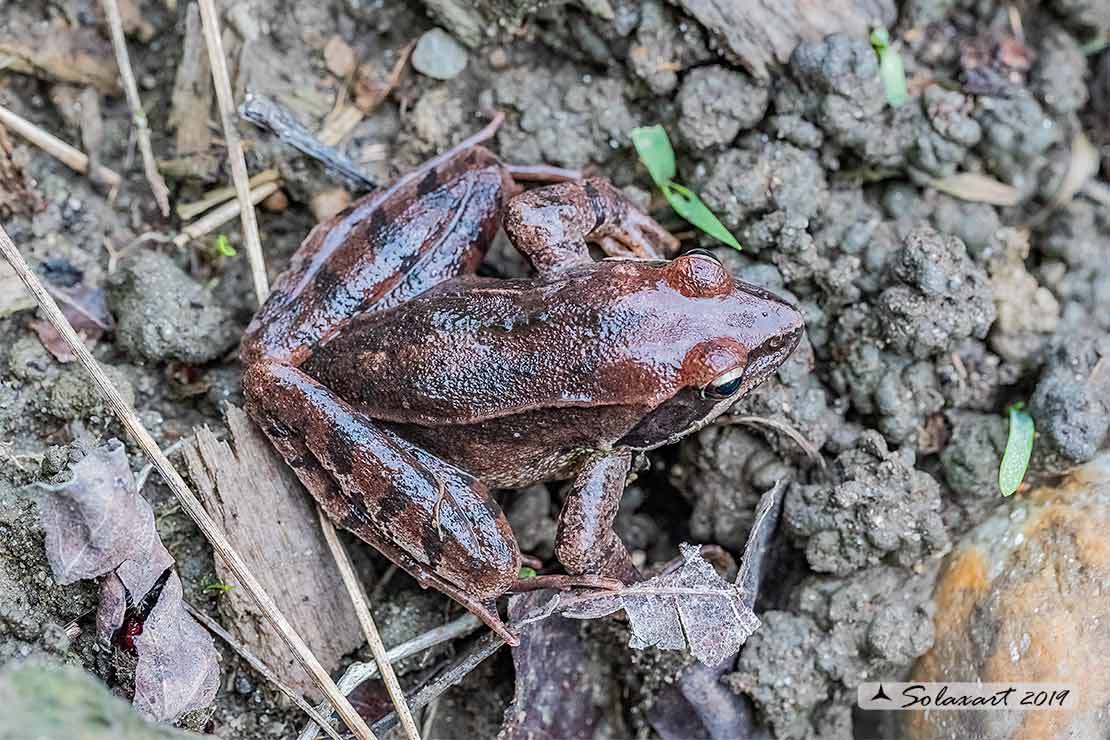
x=97 y=520
x=977 y=188
x=691 y=608
x=98 y=526
x=176 y=670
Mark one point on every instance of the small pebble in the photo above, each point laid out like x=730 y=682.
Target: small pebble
x=276 y=202
x=438 y=55
x=339 y=57
x=327 y=203
x=498 y=59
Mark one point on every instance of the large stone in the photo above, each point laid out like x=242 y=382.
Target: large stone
x=1023 y=598
x=53 y=702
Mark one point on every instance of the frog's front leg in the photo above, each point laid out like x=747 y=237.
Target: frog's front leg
x=585 y=541
x=552 y=225
x=428 y=517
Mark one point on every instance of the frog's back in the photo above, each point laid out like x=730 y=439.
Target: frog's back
x=474 y=349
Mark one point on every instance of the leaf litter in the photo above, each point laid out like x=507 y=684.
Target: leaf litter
x=98 y=526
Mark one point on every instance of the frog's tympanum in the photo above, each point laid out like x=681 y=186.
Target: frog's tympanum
x=401 y=387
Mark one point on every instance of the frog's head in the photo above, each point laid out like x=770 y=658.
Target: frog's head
x=731 y=336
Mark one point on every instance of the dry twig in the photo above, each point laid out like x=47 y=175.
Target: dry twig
x=357 y=673
x=228 y=119
x=263 y=670
x=369 y=629
x=217 y=217
x=261 y=288
x=70 y=156
x=138 y=116
x=216 y=196
x=781 y=426
x=189 y=502
x=486 y=646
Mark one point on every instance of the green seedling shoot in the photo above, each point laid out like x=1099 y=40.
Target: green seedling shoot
x=223 y=246
x=1019 y=447
x=654 y=147
x=218 y=587
x=891 y=70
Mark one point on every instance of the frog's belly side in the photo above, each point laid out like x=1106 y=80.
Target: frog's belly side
x=528 y=447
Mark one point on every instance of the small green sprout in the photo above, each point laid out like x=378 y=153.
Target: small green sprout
x=654 y=147
x=891 y=71
x=1019 y=447
x=526 y=572
x=223 y=246
x=218 y=587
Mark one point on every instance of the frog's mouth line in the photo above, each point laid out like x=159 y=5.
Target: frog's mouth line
x=687 y=411
x=690 y=409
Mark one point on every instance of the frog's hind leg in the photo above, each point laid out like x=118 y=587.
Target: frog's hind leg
x=385 y=249
x=385 y=490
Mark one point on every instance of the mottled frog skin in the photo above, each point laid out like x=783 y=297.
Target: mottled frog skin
x=401 y=387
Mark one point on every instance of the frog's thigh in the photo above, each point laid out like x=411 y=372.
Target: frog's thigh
x=384 y=250
x=386 y=490
x=552 y=225
x=585 y=541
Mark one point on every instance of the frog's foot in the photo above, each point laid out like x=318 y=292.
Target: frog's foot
x=385 y=490
x=552 y=225
x=637 y=235
x=565 y=583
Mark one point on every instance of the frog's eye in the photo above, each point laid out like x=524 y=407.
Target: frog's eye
x=726 y=385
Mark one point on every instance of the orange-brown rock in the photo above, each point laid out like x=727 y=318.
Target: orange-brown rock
x=1024 y=598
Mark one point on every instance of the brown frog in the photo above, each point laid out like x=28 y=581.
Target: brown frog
x=400 y=387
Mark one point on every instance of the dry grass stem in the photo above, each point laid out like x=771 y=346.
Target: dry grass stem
x=781 y=426
x=228 y=120
x=486 y=646
x=216 y=196
x=261 y=668
x=357 y=673
x=217 y=217
x=369 y=629
x=70 y=156
x=189 y=501
x=150 y=168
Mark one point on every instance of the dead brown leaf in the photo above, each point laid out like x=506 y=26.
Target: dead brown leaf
x=177 y=670
x=691 y=608
x=98 y=526
x=96 y=520
x=87 y=311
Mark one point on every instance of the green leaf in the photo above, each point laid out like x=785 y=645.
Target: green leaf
x=1019 y=447
x=687 y=204
x=891 y=70
x=654 y=147
x=223 y=246
x=880 y=40
x=219 y=587
x=526 y=572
